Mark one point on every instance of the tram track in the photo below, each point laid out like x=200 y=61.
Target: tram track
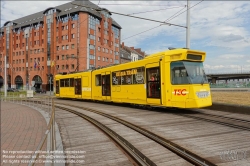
x=133 y=152
x=222 y=120
x=181 y=139
x=180 y=151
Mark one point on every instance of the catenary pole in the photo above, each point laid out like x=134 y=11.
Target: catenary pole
x=188 y=27
x=5 y=76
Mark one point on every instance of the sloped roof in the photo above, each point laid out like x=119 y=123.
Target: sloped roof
x=126 y=55
x=63 y=9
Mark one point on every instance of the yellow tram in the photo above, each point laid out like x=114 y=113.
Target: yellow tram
x=172 y=78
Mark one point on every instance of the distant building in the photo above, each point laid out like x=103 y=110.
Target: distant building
x=128 y=54
x=58 y=39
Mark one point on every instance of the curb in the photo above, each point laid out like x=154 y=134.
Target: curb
x=240 y=109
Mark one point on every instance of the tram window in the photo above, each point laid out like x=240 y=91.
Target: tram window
x=116 y=80
x=66 y=82
x=98 y=80
x=62 y=83
x=129 y=76
x=71 y=82
x=127 y=80
x=138 y=78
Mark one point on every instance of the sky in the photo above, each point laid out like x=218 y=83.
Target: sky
x=220 y=28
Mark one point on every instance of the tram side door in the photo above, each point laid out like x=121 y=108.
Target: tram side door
x=78 y=86
x=57 y=87
x=106 y=86
x=153 y=83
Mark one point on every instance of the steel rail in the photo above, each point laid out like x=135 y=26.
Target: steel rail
x=180 y=151
x=225 y=117
x=138 y=157
x=198 y=117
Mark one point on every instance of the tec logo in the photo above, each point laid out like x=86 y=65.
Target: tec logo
x=179 y=92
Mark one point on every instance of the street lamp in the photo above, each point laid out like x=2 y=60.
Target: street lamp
x=49 y=77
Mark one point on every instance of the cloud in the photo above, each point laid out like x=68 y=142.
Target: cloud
x=221 y=28
x=231 y=56
x=231 y=37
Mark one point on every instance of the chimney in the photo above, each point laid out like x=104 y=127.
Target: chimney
x=122 y=44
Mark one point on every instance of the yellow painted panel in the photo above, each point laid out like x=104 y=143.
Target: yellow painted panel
x=85 y=81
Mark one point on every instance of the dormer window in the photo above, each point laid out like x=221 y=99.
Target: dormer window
x=51 y=11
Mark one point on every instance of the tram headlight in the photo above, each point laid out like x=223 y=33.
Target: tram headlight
x=202 y=94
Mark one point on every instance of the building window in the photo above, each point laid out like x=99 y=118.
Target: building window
x=99 y=58
x=72 y=25
x=67 y=66
x=67 y=47
x=62 y=27
x=111 y=60
x=62 y=47
x=103 y=59
x=98 y=38
x=72 y=66
x=99 y=48
x=62 y=66
x=107 y=59
x=62 y=57
x=72 y=46
x=72 y=36
x=66 y=26
x=103 y=49
x=66 y=36
x=57 y=57
x=42 y=58
x=57 y=48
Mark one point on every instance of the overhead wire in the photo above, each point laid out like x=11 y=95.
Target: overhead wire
x=131 y=16
x=135 y=4
x=169 y=19
x=153 y=27
x=153 y=10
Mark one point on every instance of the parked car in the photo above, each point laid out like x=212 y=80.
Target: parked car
x=40 y=91
x=12 y=90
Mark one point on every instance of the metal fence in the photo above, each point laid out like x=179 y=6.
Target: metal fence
x=45 y=103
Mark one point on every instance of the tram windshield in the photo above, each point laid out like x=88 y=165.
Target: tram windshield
x=184 y=72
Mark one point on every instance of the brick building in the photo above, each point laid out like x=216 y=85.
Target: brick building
x=65 y=38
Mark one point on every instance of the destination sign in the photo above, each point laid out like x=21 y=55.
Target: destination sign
x=125 y=73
